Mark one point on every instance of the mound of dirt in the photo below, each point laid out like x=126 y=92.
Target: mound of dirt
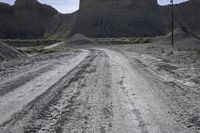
x=8 y=52
x=181 y=33
x=80 y=39
x=182 y=37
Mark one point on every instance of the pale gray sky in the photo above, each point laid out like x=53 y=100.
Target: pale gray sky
x=69 y=6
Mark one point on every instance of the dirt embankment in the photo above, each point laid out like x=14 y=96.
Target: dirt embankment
x=8 y=52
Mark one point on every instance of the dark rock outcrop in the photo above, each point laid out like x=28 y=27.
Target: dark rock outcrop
x=60 y=26
x=102 y=18
x=29 y=19
x=187 y=14
x=96 y=18
x=8 y=52
x=114 y=18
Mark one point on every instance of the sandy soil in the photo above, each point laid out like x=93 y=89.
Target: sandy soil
x=101 y=90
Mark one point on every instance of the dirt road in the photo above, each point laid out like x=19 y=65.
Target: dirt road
x=96 y=91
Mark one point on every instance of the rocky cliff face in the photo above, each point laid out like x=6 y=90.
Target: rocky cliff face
x=188 y=14
x=102 y=18
x=96 y=18
x=60 y=26
x=29 y=19
x=110 y=18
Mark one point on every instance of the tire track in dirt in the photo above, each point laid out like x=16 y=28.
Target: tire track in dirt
x=15 y=101
x=21 y=73
x=12 y=68
x=11 y=85
x=104 y=93
x=182 y=100
x=72 y=103
x=146 y=112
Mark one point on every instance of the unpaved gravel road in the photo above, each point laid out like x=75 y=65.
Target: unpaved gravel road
x=96 y=91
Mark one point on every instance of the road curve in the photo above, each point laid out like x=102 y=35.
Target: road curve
x=98 y=91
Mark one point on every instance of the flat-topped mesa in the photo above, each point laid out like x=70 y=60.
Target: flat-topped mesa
x=109 y=18
x=116 y=4
x=25 y=3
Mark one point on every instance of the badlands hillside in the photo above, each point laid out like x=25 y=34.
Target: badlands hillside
x=96 y=18
x=29 y=19
x=103 y=18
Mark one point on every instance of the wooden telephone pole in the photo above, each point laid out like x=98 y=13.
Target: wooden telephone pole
x=172 y=24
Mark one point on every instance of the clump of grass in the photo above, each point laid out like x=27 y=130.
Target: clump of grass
x=162 y=50
x=147 y=40
x=179 y=49
x=170 y=53
x=151 y=47
x=48 y=51
x=197 y=52
x=34 y=50
x=124 y=40
x=35 y=42
x=136 y=40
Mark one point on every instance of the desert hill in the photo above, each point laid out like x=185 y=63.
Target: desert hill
x=111 y=18
x=183 y=38
x=29 y=19
x=60 y=26
x=120 y=18
x=8 y=52
x=188 y=14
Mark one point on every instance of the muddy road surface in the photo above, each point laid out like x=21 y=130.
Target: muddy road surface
x=94 y=91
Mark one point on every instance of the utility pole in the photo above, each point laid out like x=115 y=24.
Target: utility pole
x=172 y=24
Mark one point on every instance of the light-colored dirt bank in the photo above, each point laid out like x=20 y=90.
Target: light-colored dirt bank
x=97 y=91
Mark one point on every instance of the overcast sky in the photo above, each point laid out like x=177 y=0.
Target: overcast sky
x=68 y=6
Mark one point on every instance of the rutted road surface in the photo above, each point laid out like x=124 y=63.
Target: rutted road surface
x=97 y=91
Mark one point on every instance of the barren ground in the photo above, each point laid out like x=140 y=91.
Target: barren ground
x=110 y=89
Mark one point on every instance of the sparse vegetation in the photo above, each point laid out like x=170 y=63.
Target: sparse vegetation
x=162 y=50
x=197 y=52
x=29 y=43
x=123 y=40
x=179 y=49
x=170 y=53
x=41 y=49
